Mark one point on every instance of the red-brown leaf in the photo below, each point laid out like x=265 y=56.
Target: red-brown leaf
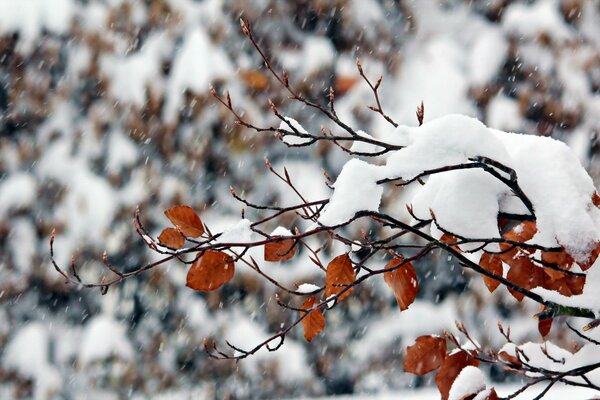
x=520 y=233
x=509 y=358
x=282 y=250
x=587 y=264
x=314 y=322
x=450 y=369
x=523 y=273
x=171 y=238
x=339 y=273
x=186 y=220
x=596 y=199
x=493 y=264
x=403 y=281
x=544 y=326
x=211 y=271
x=425 y=355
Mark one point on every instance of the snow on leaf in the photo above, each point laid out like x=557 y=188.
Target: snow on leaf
x=186 y=220
x=211 y=271
x=468 y=384
x=339 y=273
x=314 y=322
x=403 y=281
x=425 y=355
x=172 y=238
x=450 y=369
x=280 y=250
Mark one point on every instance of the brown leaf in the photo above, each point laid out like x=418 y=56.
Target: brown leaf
x=171 y=238
x=344 y=84
x=519 y=233
x=425 y=355
x=403 y=281
x=544 y=326
x=211 y=271
x=493 y=264
x=450 y=239
x=509 y=358
x=339 y=272
x=596 y=199
x=314 y=322
x=523 y=273
x=450 y=369
x=587 y=264
x=559 y=259
x=282 y=250
x=186 y=220
x=254 y=79
x=575 y=283
x=493 y=395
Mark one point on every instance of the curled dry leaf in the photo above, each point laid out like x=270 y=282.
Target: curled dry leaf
x=211 y=271
x=314 y=322
x=510 y=359
x=425 y=355
x=450 y=239
x=186 y=220
x=282 y=250
x=339 y=273
x=451 y=367
x=403 y=281
x=493 y=264
x=171 y=238
x=544 y=326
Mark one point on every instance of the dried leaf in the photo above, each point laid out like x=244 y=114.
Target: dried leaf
x=519 y=233
x=425 y=355
x=587 y=264
x=254 y=79
x=282 y=250
x=171 y=238
x=509 y=358
x=450 y=369
x=314 y=322
x=403 y=281
x=339 y=272
x=523 y=273
x=186 y=220
x=559 y=259
x=493 y=264
x=544 y=326
x=211 y=271
x=450 y=239
x=596 y=199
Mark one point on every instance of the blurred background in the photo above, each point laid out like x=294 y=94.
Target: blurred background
x=104 y=105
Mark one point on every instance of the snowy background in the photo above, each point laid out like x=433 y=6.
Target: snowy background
x=104 y=105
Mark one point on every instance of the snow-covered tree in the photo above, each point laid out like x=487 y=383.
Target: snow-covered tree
x=518 y=210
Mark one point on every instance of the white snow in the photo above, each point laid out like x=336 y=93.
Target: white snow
x=307 y=288
x=355 y=190
x=104 y=337
x=293 y=126
x=18 y=190
x=468 y=382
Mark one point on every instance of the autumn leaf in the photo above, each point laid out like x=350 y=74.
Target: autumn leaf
x=425 y=355
x=509 y=358
x=520 y=233
x=544 y=326
x=559 y=259
x=254 y=79
x=171 y=238
x=211 y=271
x=314 y=322
x=596 y=199
x=524 y=274
x=186 y=220
x=403 y=282
x=339 y=273
x=587 y=264
x=493 y=264
x=450 y=239
x=451 y=367
x=281 y=250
